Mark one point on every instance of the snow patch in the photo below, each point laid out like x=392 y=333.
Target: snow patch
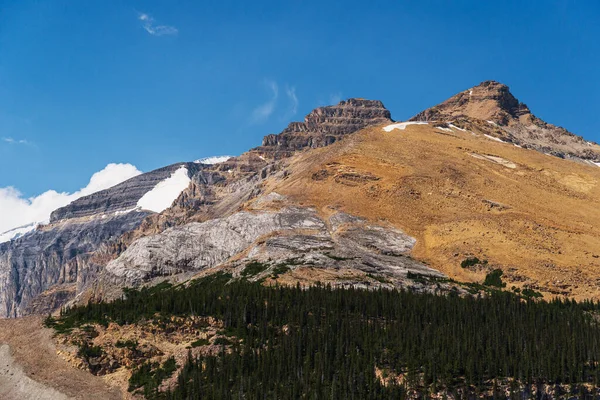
x=456 y=127
x=471 y=92
x=402 y=125
x=597 y=164
x=165 y=192
x=128 y=211
x=491 y=123
x=213 y=160
x=443 y=129
x=494 y=138
x=17 y=232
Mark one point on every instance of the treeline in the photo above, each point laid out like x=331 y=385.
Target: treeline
x=320 y=342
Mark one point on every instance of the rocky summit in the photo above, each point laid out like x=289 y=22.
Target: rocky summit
x=492 y=103
x=325 y=125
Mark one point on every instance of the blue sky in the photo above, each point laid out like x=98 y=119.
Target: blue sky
x=85 y=84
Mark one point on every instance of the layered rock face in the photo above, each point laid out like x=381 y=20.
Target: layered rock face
x=54 y=257
x=42 y=270
x=325 y=125
x=122 y=197
x=491 y=106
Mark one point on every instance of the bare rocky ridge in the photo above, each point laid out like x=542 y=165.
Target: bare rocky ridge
x=491 y=103
x=32 y=367
x=16 y=385
x=220 y=189
x=325 y=125
x=122 y=197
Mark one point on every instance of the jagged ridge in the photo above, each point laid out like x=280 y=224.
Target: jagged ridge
x=324 y=126
x=492 y=103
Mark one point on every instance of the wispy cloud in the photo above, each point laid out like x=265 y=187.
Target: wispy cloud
x=291 y=94
x=10 y=140
x=264 y=111
x=150 y=25
x=335 y=98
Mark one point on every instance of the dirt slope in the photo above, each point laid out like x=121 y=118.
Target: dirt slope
x=462 y=193
x=30 y=367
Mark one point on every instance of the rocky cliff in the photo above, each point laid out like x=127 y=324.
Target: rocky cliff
x=53 y=258
x=43 y=269
x=325 y=125
x=491 y=103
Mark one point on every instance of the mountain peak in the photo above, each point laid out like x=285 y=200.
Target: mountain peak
x=324 y=126
x=491 y=108
x=489 y=101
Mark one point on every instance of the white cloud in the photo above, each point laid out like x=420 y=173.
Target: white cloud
x=149 y=24
x=264 y=111
x=10 y=140
x=291 y=93
x=16 y=210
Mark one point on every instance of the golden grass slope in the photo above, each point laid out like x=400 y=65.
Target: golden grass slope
x=463 y=194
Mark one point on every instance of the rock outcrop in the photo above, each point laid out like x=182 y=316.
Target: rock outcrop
x=324 y=126
x=492 y=106
x=293 y=235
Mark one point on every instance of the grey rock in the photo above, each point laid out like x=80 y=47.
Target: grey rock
x=53 y=256
x=270 y=237
x=197 y=246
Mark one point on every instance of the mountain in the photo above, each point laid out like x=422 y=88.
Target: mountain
x=444 y=178
x=42 y=270
x=492 y=103
x=461 y=178
x=473 y=196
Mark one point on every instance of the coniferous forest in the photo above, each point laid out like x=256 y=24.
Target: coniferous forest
x=333 y=343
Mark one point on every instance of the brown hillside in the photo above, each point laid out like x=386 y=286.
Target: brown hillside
x=463 y=194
